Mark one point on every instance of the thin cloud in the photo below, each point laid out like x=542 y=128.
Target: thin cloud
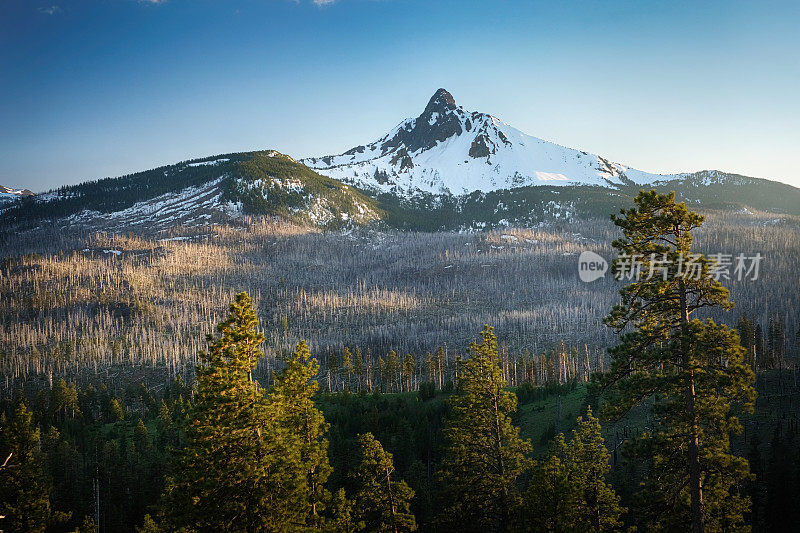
x=323 y=2
x=50 y=10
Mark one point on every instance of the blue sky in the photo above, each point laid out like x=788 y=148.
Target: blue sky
x=99 y=88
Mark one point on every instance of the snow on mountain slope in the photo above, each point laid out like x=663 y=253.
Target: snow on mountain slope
x=7 y=194
x=450 y=150
x=189 y=207
x=198 y=192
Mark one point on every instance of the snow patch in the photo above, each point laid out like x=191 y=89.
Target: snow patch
x=206 y=163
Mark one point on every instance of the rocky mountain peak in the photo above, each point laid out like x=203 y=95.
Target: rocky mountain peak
x=441 y=101
x=449 y=149
x=437 y=123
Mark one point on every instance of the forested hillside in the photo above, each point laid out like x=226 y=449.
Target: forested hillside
x=214 y=189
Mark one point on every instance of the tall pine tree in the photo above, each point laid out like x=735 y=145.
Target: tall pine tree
x=241 y=469
x=693 y=371
x=484 y=455
x=292 y=395
x=747 y=334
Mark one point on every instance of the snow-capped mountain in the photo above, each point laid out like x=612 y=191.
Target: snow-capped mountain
x=448 y=149
x=446 y=169
x=8 y=194
x=210 y=190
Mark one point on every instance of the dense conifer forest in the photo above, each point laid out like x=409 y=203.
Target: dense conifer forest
x=100 y=456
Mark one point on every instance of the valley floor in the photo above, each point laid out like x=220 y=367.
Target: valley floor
x=73 y=304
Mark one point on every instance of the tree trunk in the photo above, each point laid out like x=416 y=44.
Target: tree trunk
x=693 y=452
x=391 y=499
x=500 y=465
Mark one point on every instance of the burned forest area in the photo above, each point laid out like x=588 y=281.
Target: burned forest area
x=378 y=334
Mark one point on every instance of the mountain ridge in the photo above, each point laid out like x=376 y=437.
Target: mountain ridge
x=210 y=189
x=449 y=150
x=226 y=187
x=377 y=184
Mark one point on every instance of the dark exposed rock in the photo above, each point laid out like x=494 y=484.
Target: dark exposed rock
x=356 y=150
x=402 y=157
x=441 y=101
x=480 y=147
x=437 y=123
x=604 y=165
x=503 y=138
x=8 y=190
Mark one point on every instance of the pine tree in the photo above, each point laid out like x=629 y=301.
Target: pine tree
x=429 y=366
x=693 y=371
x=115 y=410
x=333 y=371
x=381 y=504
x=382 y=374
x=164 y=415
x=58 y=400
x=409 y=368
x=358 y=368
x=24 y=487
x=484 y=455
x=569 y=492
x=71 y=405
x=342 y=520
x=347 y=367
x=761 y=358
x=441 y=364
x=747 y=334
x=551 y=500
x=776 y=342
x=240 y=469
x=598 y=505
x=292 y=395
x=392 y=369
x=141 y=437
